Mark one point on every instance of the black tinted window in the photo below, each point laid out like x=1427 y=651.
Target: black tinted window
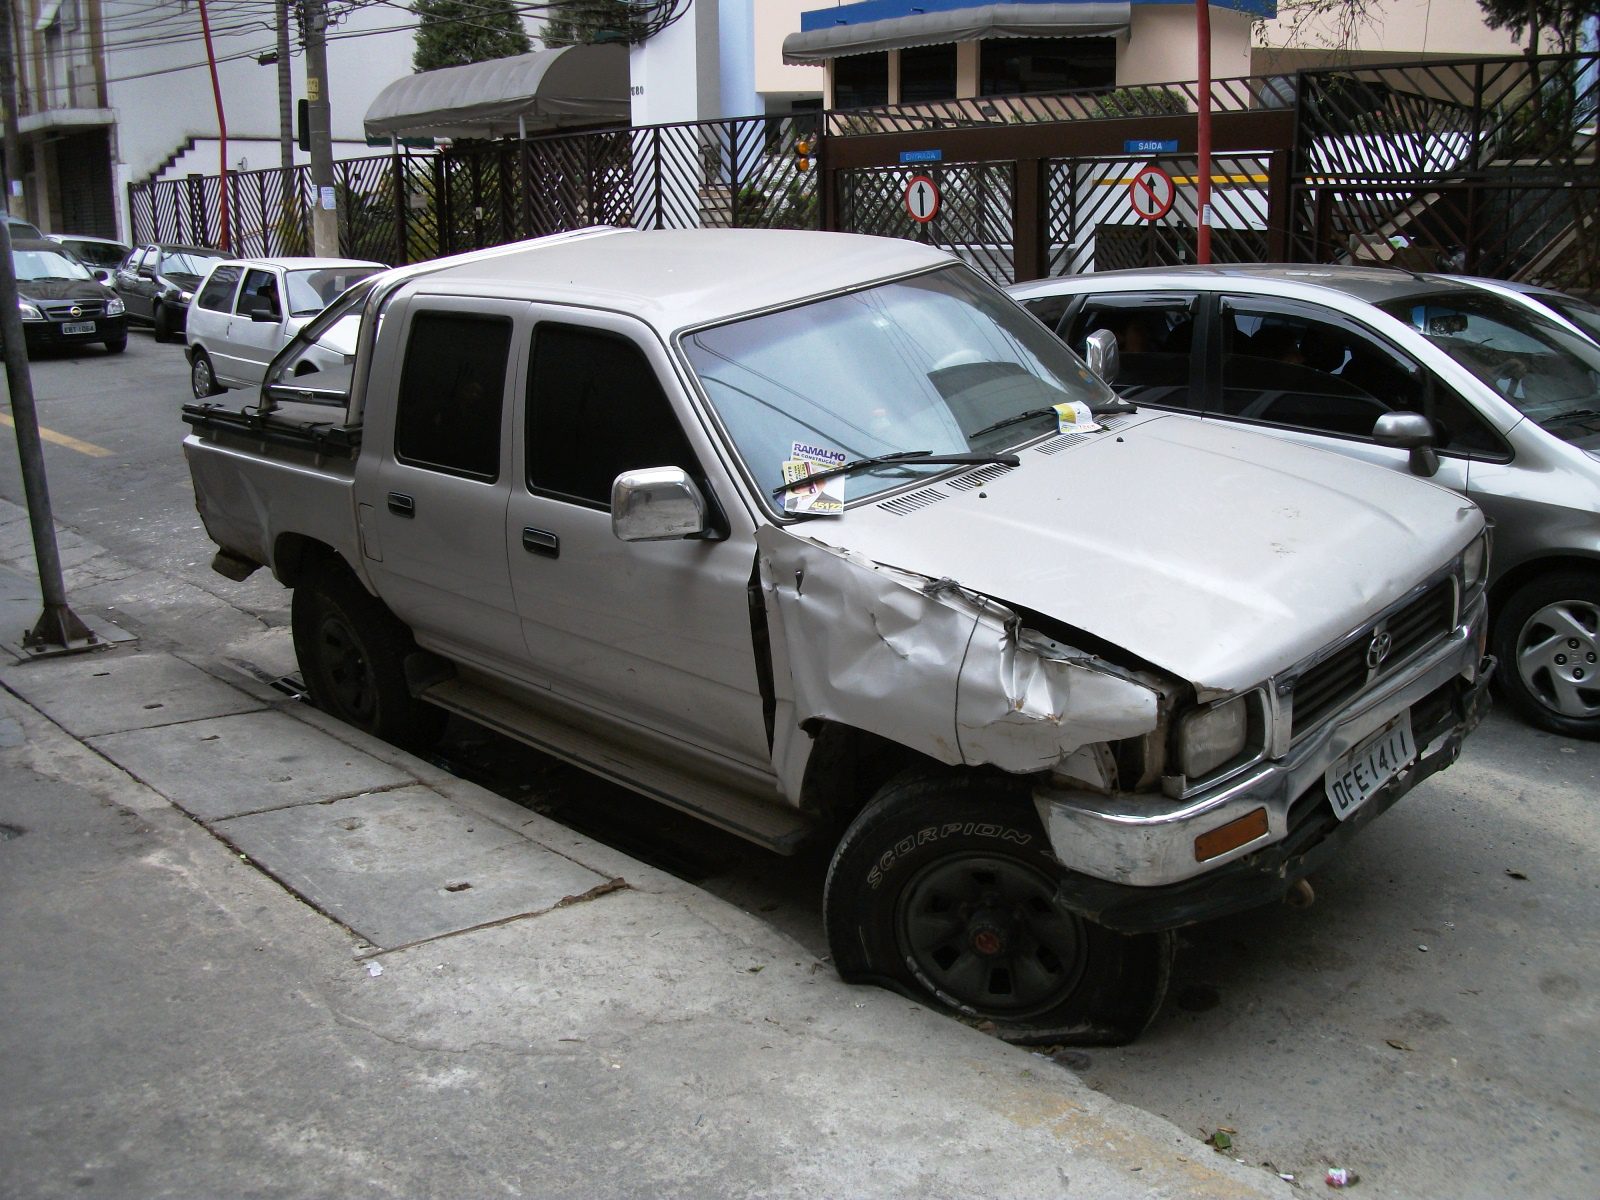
x=218 y=291
x=451 y=390
x=861 y=80
x=595 y=410
x=259 y=294
x=1155 y=334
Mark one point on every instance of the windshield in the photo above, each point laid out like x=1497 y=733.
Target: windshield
x=47 y=264
x=98 y=254
x=312 y=291
x=188 y=262
x=1548 y=372
x=920 y=364
x=318 y=364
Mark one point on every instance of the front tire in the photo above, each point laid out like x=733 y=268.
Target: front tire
x=943 y=889
x=202 y=378
x=352 y=653
x=1547 y=637
x=117 y=345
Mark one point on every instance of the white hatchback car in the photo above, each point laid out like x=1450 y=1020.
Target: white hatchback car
x=248 y=309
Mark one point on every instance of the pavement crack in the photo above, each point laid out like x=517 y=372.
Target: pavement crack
x=617 y=884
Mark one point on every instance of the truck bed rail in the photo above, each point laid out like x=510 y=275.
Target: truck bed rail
x=325 y=437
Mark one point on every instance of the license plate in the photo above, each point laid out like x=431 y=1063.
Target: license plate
x=1352 y=780
x=78 y=327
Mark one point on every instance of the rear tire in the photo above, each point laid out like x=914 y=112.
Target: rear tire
x=1547 y=638
x=943 y=889
x=352 y=653
x=161 y=323
x=202 y=378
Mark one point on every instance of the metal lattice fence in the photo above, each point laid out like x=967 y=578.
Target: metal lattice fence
x=975 y=217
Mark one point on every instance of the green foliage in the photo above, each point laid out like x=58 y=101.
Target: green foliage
x=1561 y=18
x=1142 y=102
x=453 y=33
x=585 y=22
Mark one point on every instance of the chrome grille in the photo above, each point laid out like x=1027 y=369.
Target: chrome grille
x=61 y=310
x=1328 y=685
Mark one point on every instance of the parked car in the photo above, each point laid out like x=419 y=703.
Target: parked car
x=157 y=281
x=808 y=549
x=1419 y=373
x=101 y=255
x=23 y=230
x=246 y=310
x=62 y=303
x=1583 y=316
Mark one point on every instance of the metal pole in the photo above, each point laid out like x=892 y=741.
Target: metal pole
x=325 y=214
x=224 y=238
x=285 y=98
x=1202 y=17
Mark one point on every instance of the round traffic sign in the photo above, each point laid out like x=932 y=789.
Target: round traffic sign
x=1152 y=193
x=922 y=199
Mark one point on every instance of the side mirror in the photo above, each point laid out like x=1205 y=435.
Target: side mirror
x=1409 y=431
x=147 y=273
x=656 y=504
x=1101 y=353
x=101 y=275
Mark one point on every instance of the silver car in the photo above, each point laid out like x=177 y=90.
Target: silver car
x=1422 y=373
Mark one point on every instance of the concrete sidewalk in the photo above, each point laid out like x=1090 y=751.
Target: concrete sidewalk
x=251 y=952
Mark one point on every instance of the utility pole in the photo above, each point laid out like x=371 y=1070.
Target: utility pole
x=285 y=98
x=12 y=184
x=325 y=213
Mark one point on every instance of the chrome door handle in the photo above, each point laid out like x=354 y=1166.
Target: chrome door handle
x=541 y=542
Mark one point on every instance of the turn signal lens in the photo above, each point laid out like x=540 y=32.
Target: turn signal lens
x=1231 y=836
x=1475 y=562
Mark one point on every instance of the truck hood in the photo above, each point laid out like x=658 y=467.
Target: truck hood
x=1219 y=555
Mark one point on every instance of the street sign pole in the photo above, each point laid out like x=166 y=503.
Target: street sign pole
x=1202 y=16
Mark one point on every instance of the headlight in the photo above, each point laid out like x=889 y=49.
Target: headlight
x=114 y=307
x=1213 y=736
x=29 y=311
x=1475 y=562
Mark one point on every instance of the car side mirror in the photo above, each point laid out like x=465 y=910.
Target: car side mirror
x=259 y=308
x=656 y=504
x=147 y=273
x=1101 y=353
x=1409 y=431
x=103 y=276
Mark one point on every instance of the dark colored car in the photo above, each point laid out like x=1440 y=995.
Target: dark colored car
x=100 y=255
x=62 y=304
x=157 y=282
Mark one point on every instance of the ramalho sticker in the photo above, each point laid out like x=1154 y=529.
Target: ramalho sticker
x=824 y=498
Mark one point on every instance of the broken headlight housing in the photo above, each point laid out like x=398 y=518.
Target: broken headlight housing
x=1230 y=732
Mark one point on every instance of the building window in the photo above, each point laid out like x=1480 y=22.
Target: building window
x=861 y=80
x=927 y=73
x=1010 y=66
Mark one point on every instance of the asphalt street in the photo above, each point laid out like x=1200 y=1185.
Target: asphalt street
x=1431 y=1022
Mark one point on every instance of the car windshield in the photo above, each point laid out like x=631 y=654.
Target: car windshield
x=47 y=264
x=312 y=291
x=1549 y=373
x=188 y=262
x=929 y=363
x=97 y=254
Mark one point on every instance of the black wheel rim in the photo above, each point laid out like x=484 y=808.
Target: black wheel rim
x=1557 y=652
x=348 y=673
x=983 y=932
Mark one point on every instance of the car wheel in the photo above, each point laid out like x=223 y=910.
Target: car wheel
x=202 y=379
x=944 y=889
x=117 y=345
x=1547 y=637
x=352 y=652
x=161 y=321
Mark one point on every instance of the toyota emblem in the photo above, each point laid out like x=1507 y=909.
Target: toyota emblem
x=76 y=311
x=1378 y=649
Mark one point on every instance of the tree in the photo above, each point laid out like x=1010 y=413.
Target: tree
x=584 y=22
x=452 y=33
x=1562 y=18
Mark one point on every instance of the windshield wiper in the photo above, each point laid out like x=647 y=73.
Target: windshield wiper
x=1577 y=414
x=914 y=457
x=1110 y=408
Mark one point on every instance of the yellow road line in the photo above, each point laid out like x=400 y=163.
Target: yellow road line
x=1185 y=180
x=62 y=439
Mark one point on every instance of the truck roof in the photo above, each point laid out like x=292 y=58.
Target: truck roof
x=679 y=278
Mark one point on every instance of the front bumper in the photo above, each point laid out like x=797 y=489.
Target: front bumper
x=50 y=335
x=1131 y=860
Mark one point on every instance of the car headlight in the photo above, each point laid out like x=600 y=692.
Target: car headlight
x=114 y=307
x=29 y=312
x=1210 y=737
x=1475 y=562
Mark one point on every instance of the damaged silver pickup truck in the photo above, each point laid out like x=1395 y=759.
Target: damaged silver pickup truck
x=820 y=536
